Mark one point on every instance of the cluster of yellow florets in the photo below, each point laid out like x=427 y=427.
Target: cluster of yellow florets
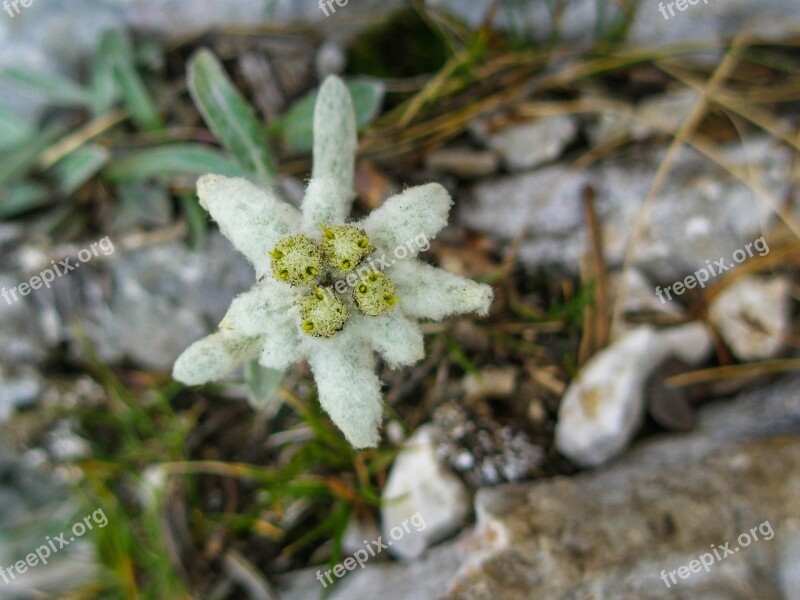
x=298 y=261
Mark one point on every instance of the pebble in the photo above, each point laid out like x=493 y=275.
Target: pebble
x=421 y=489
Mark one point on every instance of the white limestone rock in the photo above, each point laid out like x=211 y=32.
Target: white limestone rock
x=530 y=144
x=422 y=498
x=752 y=316
x=604 y=406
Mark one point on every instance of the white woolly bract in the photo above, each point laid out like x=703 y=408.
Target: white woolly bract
x=260 y=310
x=395 y=337
x=335 y=142
x=213 y=357
x=349 y=389
x=429 y=293
x=419 y=213
x=250 y=217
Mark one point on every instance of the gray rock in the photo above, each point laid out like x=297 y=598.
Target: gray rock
x=330 y=60
x=609 y=534
x=789 y=574
x=21 y=341
x=146 y=304
x=577 y=20
x=18 y=390
x=663 y=113
x=163 y=298
x=702 y=214
x=483 y=451
x=527 y=145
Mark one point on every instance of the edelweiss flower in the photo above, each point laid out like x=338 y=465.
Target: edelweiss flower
x=328 y=291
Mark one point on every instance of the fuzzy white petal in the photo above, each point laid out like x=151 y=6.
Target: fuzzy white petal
x=260 y=310
x=394 y=336
x=410 y=219
x=213 y=357
x=282 y=347
x=428 y=292
x=250 y=217
x=335 y=141
x=349 y=390
x=327 y=202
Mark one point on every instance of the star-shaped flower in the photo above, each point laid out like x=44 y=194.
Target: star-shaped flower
x=329 y=291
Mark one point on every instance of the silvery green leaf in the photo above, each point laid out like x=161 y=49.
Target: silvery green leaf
x=78 y=167
x=230 y=117
x=54 y=88
x=116 y=49
x=23 y=197
x=13 y=130
x=170 y=160
x=15 y=162
x=264 y=384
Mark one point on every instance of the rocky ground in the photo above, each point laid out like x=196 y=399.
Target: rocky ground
x=581 y=440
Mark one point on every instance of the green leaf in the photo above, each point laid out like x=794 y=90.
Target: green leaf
x=13 y=130
x=105 y=92
x=230 y=117
x=116 y=48
x=170 y=160
x=297 y=125
x=196 y=219
x=80 y=166
x=24 y=197
x=56 y=89
x=263 y=384
x=17 y=161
